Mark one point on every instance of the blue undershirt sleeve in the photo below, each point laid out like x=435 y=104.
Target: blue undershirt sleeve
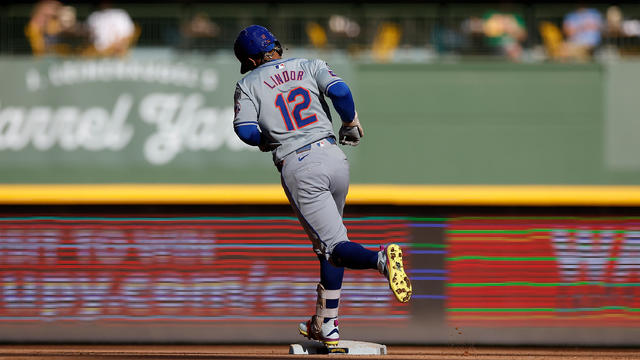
x=249 y=133
x=340 y=96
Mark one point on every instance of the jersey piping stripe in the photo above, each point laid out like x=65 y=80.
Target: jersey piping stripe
x=246 y=123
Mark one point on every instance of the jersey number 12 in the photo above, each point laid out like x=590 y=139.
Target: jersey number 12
x=292 y=96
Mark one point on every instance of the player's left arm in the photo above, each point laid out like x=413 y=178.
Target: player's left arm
x=338 y=91
x=351 y=131
x=342 y=100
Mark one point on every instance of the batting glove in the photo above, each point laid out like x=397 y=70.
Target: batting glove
x=351 y=133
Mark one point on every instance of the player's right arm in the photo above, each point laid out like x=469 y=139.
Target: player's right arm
x=245 y=121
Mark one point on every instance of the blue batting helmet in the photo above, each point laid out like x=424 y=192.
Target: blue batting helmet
x=253 y=41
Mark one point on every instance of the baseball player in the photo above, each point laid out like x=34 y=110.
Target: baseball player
x=281 y=107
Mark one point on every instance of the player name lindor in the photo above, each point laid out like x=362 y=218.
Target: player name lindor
x=284 y=77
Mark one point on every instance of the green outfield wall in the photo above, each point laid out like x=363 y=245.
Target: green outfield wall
x=67 y=121
x=483 y=123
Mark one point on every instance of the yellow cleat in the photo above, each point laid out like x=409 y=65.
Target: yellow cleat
x=391 y=266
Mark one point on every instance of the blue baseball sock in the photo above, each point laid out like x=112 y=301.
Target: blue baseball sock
x=331 y=278
x=354 y=256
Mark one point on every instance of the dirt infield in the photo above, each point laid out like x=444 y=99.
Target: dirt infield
x=222 y=352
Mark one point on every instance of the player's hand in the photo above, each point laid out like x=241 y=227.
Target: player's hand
x=351 y=133
x=265 y=145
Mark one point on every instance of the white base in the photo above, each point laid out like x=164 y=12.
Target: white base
x=349 y=347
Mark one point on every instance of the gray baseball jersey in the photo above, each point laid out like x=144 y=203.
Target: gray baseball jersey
x=286 y=99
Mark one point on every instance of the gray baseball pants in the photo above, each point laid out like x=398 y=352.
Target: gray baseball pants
x=316 y=181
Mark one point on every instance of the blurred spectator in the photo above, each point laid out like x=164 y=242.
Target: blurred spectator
x=447 y=39
x=622 y=34
x=472 y=34
x=112 y=31
x=316 y=34
x=198 y=33
x=505 y=32
x=614 y=21
x=619 y=27
x=43 y=27
x=73 y=37
x=343 y=26
x=386 y=41
x=343 y=31
x=553 y=40
x=583 y=29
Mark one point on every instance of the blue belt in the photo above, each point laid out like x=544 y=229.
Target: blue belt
x=330 y=139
